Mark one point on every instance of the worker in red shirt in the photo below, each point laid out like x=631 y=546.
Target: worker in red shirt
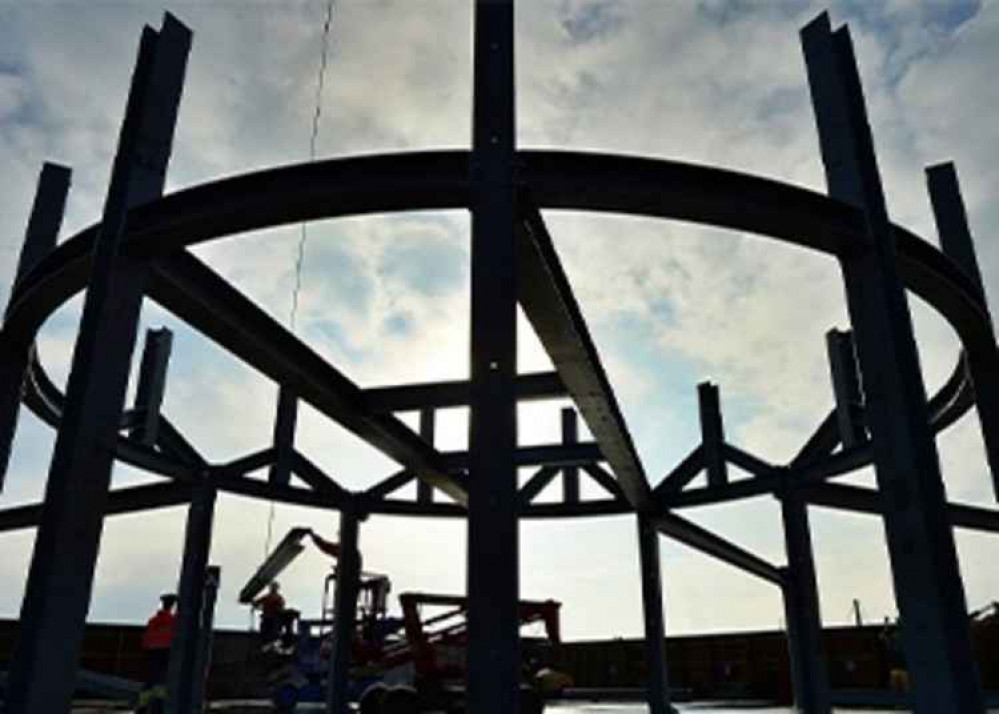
x=271 y=607
x=156 y=641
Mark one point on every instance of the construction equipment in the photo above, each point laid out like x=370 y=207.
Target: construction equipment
x=423 y=650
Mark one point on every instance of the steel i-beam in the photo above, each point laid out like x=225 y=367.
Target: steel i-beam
x=927 y=579
x=203 y=662
x=809 y=677
x=570 y=474
x=712 y=433
x=657 y=688
x=152 y=385
x=348 y=581
x=428 y=423
x=39 y=240
x=284 y=437
x=183 y=676
x=956 y=242
x=58 y=590
x=846 y=387
x=493 y=677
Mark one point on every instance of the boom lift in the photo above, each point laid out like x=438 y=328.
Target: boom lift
x=424 y=649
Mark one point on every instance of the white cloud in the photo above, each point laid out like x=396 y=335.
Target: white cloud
x=669 y=304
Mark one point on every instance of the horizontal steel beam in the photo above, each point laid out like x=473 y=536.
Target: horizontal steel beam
x=866 y=500
x=698 y=538
x=124 y=500
x=580 y=454
x=546 y=296
x=440 y=395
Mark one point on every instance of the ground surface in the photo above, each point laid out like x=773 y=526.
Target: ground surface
x=575 y=708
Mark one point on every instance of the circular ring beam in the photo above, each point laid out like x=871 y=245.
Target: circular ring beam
x=439 y=181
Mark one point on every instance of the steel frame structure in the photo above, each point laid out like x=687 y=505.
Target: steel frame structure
x=881 y=414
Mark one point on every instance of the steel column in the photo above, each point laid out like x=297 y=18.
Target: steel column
x=570 y=474
x=424 y=490
x=203 y=662
x=712 y=433
x=846 y=387
x=957 y=243
x=39 y=240
x=58 y=590
x=494 y=664
x=152 y=383
x=801 y=610
x=657 y=688
x=348 y=580
x=284 y=437
x=927 y=578
x=183 y=679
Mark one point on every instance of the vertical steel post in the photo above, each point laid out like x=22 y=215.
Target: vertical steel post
x=846 y=386
x=183 y=678
x=203 y=661
x=284 y=437
x=957 y=243
x=152 y=385
x=657 y=688
x=424 y=491
x=712 y=433
x=570 y=474
x=39 y=239
x=348 y=583
x=809 y=677
x=493 y=566
x=58 y=590
x=927 y=578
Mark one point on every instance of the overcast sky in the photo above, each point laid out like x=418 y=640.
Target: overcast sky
x=385 y=298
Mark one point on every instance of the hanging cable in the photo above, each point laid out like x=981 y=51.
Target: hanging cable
x=304 y=235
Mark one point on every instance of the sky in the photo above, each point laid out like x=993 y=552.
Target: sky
x=385 y=298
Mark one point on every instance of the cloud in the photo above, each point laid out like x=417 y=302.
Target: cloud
x=385 y=298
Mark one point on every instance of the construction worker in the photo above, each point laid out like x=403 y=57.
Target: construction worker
x=329 y=548
x=156 y=641
x=271 y=607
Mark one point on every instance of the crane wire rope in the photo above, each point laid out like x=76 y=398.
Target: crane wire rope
x=303 y=237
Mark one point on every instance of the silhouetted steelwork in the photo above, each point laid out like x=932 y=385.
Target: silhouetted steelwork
x=880 y=416
x=348 y=583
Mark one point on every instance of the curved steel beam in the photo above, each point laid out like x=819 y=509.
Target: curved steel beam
x=438 y=180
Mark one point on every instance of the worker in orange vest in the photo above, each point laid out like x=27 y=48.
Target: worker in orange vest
x=156 y=641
